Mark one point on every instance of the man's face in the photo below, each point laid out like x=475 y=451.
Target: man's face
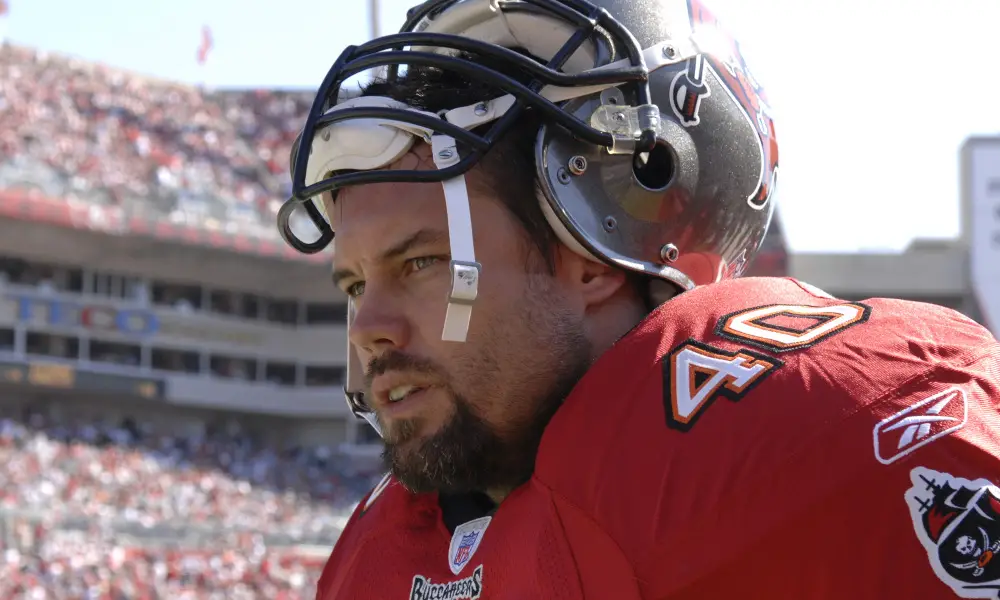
x=471 y=414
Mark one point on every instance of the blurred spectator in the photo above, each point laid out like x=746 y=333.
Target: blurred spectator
x=122 y=512
x=222 y=480
x=73 y=567
x=82 y=131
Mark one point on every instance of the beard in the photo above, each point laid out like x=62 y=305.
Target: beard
x=467 y=453
x=530 y=369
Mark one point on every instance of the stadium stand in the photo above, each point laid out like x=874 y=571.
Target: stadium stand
x=121 y=512
x=112 y=510
x=81 y=131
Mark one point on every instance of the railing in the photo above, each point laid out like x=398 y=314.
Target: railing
x=176 y=216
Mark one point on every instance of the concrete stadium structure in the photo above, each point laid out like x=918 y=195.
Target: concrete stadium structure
x=963 y=274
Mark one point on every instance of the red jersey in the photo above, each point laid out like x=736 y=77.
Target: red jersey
x=751 y=439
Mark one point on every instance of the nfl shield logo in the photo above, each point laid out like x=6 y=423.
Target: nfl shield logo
x=465 y=549
x=465 y=542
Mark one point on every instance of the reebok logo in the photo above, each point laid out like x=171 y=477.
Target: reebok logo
x=920 y=424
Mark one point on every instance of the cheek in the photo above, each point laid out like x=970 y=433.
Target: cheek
x=475 y=366
x=426 y=303
x=498 y=358
x=497 y=303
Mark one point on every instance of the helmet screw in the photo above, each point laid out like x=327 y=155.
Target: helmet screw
x=446 y=153
x=669 y=51
x=481 y=109
x=562 y=175
x=619 y=116
x=577 y=165
x=669 y=253
x=610 y=224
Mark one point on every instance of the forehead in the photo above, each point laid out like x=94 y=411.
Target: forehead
x=367 y=218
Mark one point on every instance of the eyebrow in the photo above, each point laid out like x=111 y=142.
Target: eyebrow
x=423 y=237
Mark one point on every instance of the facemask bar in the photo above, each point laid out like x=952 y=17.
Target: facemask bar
x=354 y=389
x=376 y=54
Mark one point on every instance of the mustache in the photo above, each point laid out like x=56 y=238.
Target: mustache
x=398 y=361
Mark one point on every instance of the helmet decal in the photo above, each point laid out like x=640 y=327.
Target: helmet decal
x=726 y=60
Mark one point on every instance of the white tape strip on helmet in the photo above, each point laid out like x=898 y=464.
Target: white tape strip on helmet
x=361 y=144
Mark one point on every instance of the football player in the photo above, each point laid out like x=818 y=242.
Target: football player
x=541 y=210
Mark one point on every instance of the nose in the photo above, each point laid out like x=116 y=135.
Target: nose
x=378 y=324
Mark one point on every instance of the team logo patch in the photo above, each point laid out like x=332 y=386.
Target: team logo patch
x=727 y=62
x=958 y=523
x=687 y=90
x=465 y=542
x=469 y=588
x=920 y=424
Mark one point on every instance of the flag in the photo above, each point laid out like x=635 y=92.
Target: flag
x=4 y=9
x=204 y=47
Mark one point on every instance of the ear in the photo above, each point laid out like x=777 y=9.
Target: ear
x=593 y=283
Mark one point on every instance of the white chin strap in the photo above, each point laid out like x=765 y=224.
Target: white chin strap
x=464 y=268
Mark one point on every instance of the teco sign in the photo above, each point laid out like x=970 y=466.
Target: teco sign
x=63 y=313
x=983 y=170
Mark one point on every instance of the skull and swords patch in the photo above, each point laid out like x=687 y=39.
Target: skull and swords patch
x=958 y=523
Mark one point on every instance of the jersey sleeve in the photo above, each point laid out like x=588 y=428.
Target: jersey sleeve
x=899 y=500
x=827 y=497
x=791 y=446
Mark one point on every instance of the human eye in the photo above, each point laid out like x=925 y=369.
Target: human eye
x=422 y=262
x=355 y=289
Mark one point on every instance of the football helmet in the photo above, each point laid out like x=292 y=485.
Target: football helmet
x=657 y=153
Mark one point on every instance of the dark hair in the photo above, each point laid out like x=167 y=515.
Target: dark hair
x=509 y=166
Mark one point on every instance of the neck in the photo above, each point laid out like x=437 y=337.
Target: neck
x=613 y=322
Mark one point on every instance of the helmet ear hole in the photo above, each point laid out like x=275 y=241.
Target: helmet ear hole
x=654 y=170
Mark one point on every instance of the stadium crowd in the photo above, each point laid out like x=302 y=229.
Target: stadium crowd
x=80 y=568
x=82 y=131
x=222 y=479
x=126 y=482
